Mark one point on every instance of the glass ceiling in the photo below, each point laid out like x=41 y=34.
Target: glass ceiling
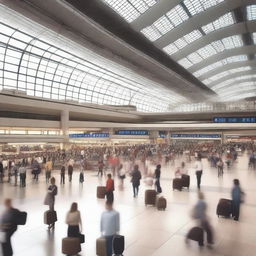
x=46 y=65
x=160 y=28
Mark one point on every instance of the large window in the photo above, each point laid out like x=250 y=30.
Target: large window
x=44 y=70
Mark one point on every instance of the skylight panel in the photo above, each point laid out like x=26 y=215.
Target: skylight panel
x=151 y=33
x=223 y=21
x=177 y=15
x=220 y=63
x=195 y=58
x=251 y=12
x=167 y=22
x=171 y=49
x=218 y=46
x=130 y=9
x=225 y=73
x=197 y=6
x=182 y=42
x=185 y=62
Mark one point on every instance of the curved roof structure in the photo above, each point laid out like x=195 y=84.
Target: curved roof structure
x=45 y=64
x=213 y=39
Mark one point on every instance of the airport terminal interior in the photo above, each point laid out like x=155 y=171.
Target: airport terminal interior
x=128 y=127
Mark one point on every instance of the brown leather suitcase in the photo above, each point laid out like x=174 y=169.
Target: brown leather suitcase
x=150 y=197
x=224 y=208
x=101 y=192
x=185 y=180
x=101 y=247
x=71 y=245
x=161 y=203
x=177 y=184
x=196 y=234
x=50 y=217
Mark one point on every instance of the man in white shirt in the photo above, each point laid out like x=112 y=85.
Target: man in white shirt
x=109 y=225
x=199 y=171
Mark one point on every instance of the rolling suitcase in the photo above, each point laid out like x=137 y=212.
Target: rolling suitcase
x=50 y=217
x=224 y=208
x=150 y=197
x=161 y=203
x=118 y=245
x=185 y=180
x=177 y=184
x=21 y=219
x=196 y=234
x=101 y=247
x=101 y=192
x=71 y=245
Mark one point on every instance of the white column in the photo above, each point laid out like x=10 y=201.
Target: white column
x=64 y=125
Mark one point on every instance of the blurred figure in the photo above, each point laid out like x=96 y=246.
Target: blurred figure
x=109 y=225
x=1 y=171
x=237 y=198
x=48 y=170
x=110 y=187
x=100 y=166
x=70 y=172
x=199 y=213
x=157 y=178
x=136 y=177
x=8 y=226
x=62 y=174
x=81 y=177
x=23 y=175
x=199 y=171
x=220 y=166
x=51 y=193
x=121 y=174
x=15 y=174
x=74 y=221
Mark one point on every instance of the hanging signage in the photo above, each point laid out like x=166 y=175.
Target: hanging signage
x=251 y=119
x=132 y=132
x=89 y=135
x=200 y=136
x=163 y=134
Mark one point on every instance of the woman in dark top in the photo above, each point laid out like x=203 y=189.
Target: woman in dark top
x=136 y=177
x=51 y=193
x=157 y=177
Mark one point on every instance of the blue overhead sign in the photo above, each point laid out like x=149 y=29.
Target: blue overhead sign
x=132 y=132
x=251 y=119
x=89 y=135
x=192 y=135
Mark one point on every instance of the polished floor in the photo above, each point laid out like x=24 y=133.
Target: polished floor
x=147 y=231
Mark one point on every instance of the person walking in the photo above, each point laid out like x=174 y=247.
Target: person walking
x=100 y=166
x=48 y=170
x=136 y=177
x=62 y=174
x=70 y=172
x=1 y=171
x=157 y=178
x=73 y=219
x=199 y=171
x=23 y=175
x=199 y=214
x=15 y=174
x=109 y=225
x=8 y=226
x=237 y=198
x=110 y=187
x=51 y=193
x=220 y=166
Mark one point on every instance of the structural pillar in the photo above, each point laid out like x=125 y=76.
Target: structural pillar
x=64 y=126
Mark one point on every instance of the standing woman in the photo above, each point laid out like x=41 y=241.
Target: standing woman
x=74 y=221
x=136 y=177
x=157 y=178
x=51 y=193
x=237 y=199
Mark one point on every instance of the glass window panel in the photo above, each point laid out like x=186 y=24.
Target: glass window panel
x=251 y=12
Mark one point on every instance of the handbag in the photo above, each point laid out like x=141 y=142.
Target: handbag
x=81 y=237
